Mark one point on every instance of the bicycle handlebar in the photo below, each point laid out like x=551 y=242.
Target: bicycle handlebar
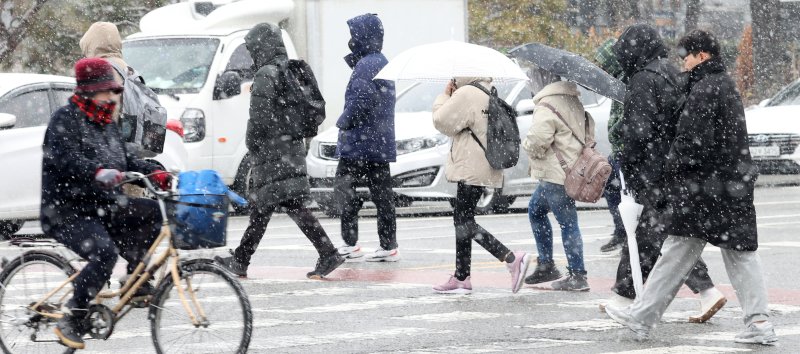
x=136 y=176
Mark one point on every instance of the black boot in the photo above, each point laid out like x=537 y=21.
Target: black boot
x=613 y=244
x=70 y=328
x=325 y=265
x=544 y=272
x=232 y=265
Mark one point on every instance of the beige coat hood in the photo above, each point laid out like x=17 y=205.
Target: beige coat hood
x=452 y=115
x=548 y=130
x=102 y=40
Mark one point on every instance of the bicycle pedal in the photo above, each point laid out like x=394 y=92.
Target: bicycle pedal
x=140 y=302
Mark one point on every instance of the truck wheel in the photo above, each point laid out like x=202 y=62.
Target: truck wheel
x=492 y=202
x=9 y=228
x=241 y=184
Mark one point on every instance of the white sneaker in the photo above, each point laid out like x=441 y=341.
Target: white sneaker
x=711 y=301
x=382 y=255
x=758 y=333
x=350 y=252
x=617 y=301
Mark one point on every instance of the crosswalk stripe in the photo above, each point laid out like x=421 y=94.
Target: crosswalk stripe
x=681 y=349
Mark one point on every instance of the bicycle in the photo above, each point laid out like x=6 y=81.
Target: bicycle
x=192 y=317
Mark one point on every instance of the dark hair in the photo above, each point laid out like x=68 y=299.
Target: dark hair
x=698 y=41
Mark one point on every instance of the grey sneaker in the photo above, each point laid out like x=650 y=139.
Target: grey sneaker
x=543 y=273
x=758 y=333
x=623 y=317
x=232 y=265
x=573 y=282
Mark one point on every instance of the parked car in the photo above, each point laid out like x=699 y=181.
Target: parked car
x=26 y=103
x=421 y=150
x=774 y=132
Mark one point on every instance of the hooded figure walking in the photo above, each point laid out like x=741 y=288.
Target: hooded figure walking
x=279 y=177
x=650 y=116
x=710 y=179
x=366 y=142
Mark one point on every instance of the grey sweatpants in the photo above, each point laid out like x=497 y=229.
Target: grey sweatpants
x=678 y=256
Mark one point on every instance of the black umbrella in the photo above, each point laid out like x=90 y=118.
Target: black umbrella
x=572 y=67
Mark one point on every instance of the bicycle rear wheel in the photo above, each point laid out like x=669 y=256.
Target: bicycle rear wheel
x=25 y=280
x=228 y=323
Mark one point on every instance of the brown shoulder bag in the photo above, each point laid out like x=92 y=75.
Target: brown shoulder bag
x=587 y=177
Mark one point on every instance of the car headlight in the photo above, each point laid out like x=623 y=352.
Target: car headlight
x=413 y=145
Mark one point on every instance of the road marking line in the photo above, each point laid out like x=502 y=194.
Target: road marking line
x=596 y=325
x=694 y=349
x=452 y=316
x=375 y=304
x=307 y=340
x=728 y=336
x=528 y=345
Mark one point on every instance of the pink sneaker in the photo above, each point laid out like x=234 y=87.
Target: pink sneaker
x=518 y=268
x=454 y=286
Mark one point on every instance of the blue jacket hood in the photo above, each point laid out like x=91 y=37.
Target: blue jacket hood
x=366 y=37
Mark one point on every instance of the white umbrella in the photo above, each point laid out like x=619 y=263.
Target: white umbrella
x=439 y=62
x=630 y=211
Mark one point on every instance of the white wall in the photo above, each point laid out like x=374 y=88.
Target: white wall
x=407 y=23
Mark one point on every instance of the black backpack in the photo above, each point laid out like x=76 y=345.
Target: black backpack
x=502 y=133
x=303 y=99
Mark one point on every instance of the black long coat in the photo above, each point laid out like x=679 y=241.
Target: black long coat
x=711 y=173
x=278 y=159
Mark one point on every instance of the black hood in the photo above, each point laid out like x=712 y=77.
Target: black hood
x=638 y=46
x=265 y=44
x=366 y=37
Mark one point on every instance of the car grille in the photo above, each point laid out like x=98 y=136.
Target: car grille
x=327 y=151
x=787 y=142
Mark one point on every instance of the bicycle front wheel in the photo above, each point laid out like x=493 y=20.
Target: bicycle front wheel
x=25 y=281
x=225 y=320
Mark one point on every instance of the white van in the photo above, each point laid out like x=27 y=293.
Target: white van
x=194 y=57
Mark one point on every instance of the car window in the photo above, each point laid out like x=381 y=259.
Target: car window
x=32 y=108
x=241 y=62
x=789 y=96
x=61 y=96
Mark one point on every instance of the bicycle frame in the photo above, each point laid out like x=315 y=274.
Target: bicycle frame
x=143 y=272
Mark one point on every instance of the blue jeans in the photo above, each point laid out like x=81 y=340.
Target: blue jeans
x=553 y=197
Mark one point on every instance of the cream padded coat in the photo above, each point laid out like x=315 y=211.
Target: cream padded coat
x=452 y=115
x=547 y=128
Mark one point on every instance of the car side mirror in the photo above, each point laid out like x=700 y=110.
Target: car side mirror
x=7 y=120
x=228 y=84
x=525 y=107
x=764 y=103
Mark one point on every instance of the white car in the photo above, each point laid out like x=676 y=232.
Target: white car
x=26 y=104
x=418 y=173
x=774 y=132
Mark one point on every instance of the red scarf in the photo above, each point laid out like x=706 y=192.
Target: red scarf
x=98 y=113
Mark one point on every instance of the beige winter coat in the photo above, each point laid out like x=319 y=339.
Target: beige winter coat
x=102 y=40
x=547 y=128
x=452 y=115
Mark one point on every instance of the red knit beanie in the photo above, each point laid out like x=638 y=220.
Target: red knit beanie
x=95 y=75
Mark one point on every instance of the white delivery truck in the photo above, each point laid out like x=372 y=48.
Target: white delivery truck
x=193 y=55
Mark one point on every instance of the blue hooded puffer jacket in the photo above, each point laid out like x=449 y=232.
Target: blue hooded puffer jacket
x=366 y=127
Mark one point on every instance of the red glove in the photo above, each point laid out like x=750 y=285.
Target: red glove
x=108 y=177
x=162 y=178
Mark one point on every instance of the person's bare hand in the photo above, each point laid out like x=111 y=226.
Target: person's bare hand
x=451 y=87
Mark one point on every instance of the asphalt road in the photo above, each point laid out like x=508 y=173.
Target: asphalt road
x=389 y=307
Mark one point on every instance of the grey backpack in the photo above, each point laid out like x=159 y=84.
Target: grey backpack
x=142 y=118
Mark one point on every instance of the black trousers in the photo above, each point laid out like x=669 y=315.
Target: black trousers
x=378 y=179
x=650 y=237
x=127 y=230
x=467 y=229
x=296 y=209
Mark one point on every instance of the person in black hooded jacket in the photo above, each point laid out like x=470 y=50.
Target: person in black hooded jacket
x=277 y=155
x=711 y=181
x=653 y=98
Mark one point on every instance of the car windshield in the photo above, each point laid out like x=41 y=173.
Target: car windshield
x=789 y=96
x=420 y=96
x=174 y=64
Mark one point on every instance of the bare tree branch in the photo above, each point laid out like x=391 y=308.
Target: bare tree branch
x=14 y=33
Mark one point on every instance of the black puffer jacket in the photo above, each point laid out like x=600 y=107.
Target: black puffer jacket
x=278 y=160
x=710 y=172
x=652 y=101
x=73 y=149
